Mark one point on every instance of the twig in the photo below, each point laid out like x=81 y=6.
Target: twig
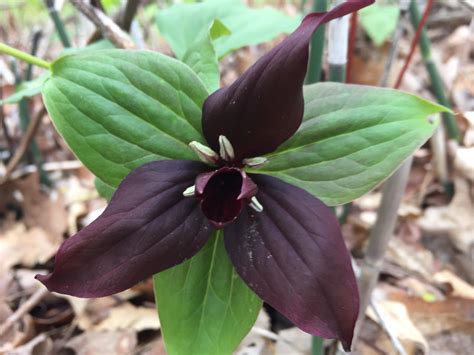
x=397 y=35
x=129 y=13
x=50 y=166
x=337 y=46
x=436 y=82
x=414 y=42
x=105 y=24
x=381 y=316
x=317 y=47
x=2 y=119
x=392 y=194
x=23 y=309
x=58 y=23
x=24 y=144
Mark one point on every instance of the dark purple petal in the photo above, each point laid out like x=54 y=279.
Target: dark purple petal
x=147 y=227
x=293 y=256
x=223 y=193
x=264 y=107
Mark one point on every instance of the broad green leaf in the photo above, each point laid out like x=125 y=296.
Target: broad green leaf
x=352 y=138
x=379 y=21
x=26 y=89
x=180 y=23
x=104 y=190
x=204 y=306
x=202 y=58
x=120 y=109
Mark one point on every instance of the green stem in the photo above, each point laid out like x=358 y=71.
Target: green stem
x=317 y=346
x=317 y=47
x=59 y=24
x=436 y=82
x=23 y=56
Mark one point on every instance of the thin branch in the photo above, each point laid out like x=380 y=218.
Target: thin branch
x=105 y=24
x=350 y=52
x=414 y=43
x=23 y=309
x=24 y=144
x=436 y=83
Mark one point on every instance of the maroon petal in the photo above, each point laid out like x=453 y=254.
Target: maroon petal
x=147 y=227
x=293 y=256
x=264 y=107
x=223 y=193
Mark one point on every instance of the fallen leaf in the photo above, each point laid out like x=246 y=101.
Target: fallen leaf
x=460 y=288
x=27 y=247
x=122 y=342
x=397 y=319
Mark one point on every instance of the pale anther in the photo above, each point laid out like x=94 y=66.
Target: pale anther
x=189 y=191
x=206 y=154
x=255 y=204
x=256 y=162
x=226 y=150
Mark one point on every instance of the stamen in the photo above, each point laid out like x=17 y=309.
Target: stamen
x=189 y=192
x=256 y=162
x=206 y=154
x=226 y=150
x=255 y=204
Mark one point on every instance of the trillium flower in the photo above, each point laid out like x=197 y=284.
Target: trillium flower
x=283 y=242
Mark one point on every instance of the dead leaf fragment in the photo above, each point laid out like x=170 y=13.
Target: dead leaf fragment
x=121 y=342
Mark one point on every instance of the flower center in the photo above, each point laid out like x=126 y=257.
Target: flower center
x=223 y=193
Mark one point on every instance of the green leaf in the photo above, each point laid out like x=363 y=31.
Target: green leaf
x=180 y=23
x=104 y=190
x=379 y=21
x=202 y=58
x=26 y=89
x=120 y=109
x=204 y=306
x=352 y=138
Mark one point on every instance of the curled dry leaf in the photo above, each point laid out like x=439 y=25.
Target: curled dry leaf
x=460 y=288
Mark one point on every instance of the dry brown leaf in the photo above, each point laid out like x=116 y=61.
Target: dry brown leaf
x=19 y=332
x=293 y=341
x=397 y=319
x=254 y=343
x=27 y=247
x=456 y=219
x=460 y=288
x=432 y=318
x=410 y=257
x=121 y=342
x=40 y=345
x=127 y=316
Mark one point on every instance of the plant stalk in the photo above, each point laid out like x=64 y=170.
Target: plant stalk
x=338 y=46
x=317 y=47
x=58 y=23
x=23 y=56
x=379 y=238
